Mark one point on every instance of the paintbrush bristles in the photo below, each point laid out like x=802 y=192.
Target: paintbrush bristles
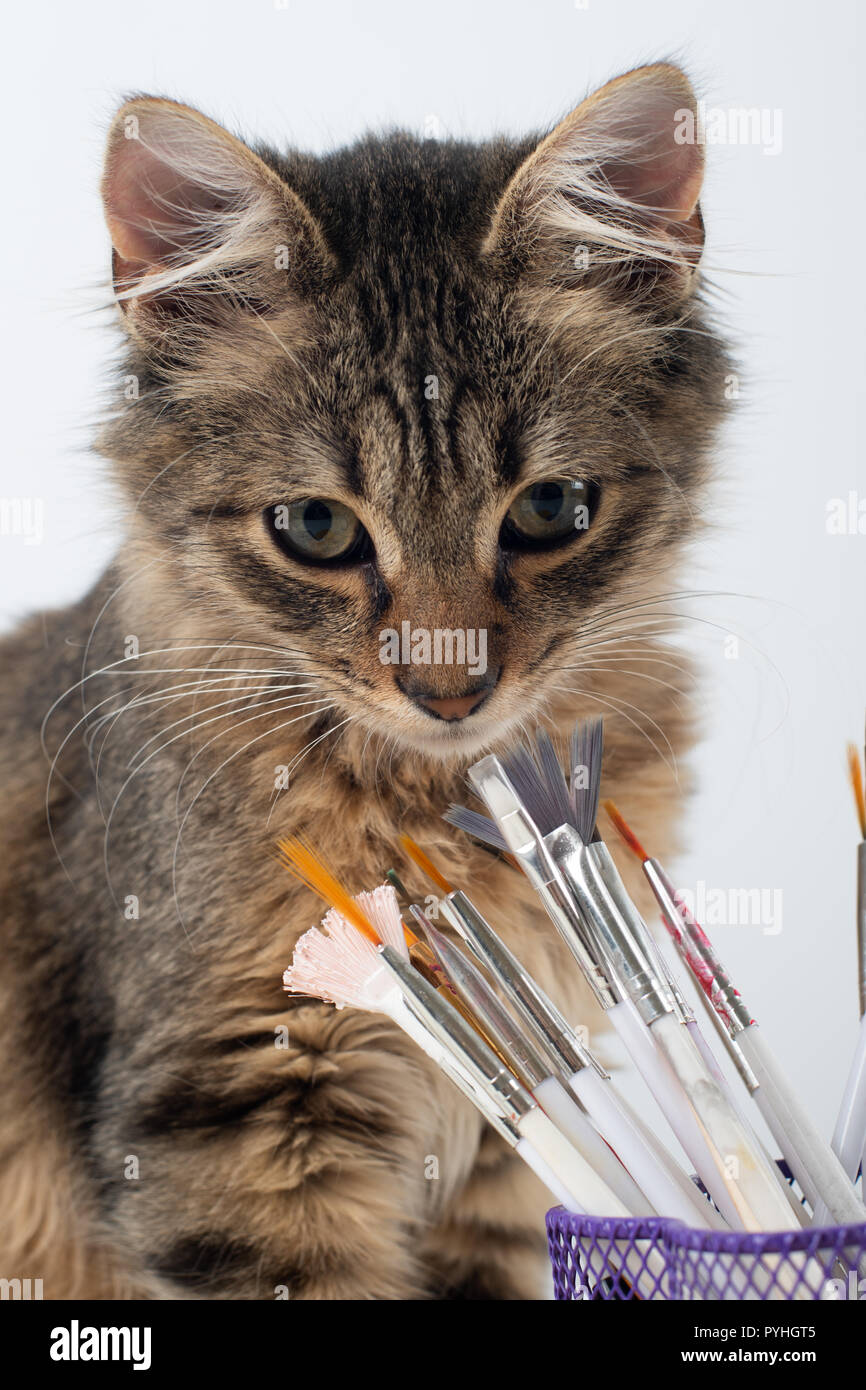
x=335 y=962
x=306 y=865
x=426 y=865
x=551 y=800
x=476 y=824
x=381 y=909
x=333 y=965
x=625 y=831
x=587 y=749
x=554 y=778
x=855 y=773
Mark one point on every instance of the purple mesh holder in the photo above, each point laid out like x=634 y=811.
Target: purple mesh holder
x=654 y=1258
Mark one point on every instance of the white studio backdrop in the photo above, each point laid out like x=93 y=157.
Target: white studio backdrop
x=772 y=810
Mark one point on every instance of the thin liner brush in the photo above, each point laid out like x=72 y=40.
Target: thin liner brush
x=815 y=1166
x=420 y=953
x=700 y=973
x=681 y=1005
x=643 y=1154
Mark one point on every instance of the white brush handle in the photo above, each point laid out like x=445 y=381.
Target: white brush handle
x=807 y=1152
x=548 y=1150
x=850 y=1131
x=667 y=1090
x=718 y=1076
x=532 y=1158
x=752 y=1185
x=589 y=1192
x=671 y=1191
x=655 y=1168
x=556 y=1102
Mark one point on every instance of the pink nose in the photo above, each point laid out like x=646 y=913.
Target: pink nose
x=453 y=709
x=448 y=707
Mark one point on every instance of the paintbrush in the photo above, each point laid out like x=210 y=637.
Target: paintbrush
x=659 y=1175
x=611 y=943
x=812 y=1161
x=528 y=1063
x=855 y=773
x=849 y=1134
x=352 y=961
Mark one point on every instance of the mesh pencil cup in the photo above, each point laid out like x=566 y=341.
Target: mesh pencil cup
x=654 y=1258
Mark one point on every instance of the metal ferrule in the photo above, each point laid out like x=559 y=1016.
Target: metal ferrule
x=708 y=970
x=526 y=843
x=492 y=1112
x=599 y=851
x=564 y=1050
x=616 y=942
x=468 y=1049
x=727 y=1039
x=493 y=1019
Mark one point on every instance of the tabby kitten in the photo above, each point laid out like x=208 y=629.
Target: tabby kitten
x=372 y=388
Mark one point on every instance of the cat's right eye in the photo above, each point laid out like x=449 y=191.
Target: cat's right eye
x=318 y=531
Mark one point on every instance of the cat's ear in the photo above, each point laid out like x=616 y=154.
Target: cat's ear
x=613 y=190
x=200 y=226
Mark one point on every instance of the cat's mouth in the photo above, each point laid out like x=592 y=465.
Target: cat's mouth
x=461 y=738
x=459 y=723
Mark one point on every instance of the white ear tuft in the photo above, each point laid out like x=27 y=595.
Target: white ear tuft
x=189 y=207
x=613 y=179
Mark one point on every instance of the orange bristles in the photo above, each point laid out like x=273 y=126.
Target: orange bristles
x=424 y=864
x=855 y=772
x=305 y=864
x=625 y=830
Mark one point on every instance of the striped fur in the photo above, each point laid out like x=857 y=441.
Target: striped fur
x=171 y=1125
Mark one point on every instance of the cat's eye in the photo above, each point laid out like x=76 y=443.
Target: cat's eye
x=318 y=530
x=549 y=513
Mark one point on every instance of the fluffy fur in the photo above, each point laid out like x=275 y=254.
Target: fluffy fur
x=171 y=1125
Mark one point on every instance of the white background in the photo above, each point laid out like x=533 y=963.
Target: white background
x=773 y=809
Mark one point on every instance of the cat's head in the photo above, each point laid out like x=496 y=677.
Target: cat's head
x=418 y=412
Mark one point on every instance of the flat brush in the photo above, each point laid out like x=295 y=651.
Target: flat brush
x=547 y=1089
x=657 y=1172
x=815 y=1166
x=619 y=959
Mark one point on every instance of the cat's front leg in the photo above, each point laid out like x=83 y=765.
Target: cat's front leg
x=272 y=1172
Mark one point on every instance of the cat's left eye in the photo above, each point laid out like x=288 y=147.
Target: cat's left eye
x=318 y=530
x=549 y=513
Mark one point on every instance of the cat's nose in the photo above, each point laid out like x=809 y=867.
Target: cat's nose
x=450 y=707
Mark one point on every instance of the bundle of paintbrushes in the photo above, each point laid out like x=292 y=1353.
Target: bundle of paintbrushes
x=480 y=1016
